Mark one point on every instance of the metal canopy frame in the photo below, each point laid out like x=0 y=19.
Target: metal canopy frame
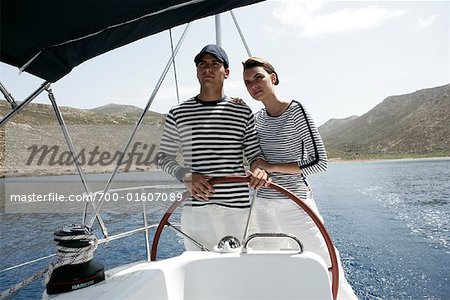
x=46 y=86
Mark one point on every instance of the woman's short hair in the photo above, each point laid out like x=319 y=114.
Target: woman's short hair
x=255 y=61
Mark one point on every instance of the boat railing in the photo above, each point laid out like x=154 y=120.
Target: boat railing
x=269 y=235
x=144 y=229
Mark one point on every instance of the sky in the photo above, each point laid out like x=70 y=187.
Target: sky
x=337 y=58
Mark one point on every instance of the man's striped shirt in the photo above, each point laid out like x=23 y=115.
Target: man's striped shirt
x=214 y=137
x=291 y=137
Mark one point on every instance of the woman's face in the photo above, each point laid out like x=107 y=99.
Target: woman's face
x=259 y=83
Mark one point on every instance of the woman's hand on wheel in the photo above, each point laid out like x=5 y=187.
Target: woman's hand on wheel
x=259 y=178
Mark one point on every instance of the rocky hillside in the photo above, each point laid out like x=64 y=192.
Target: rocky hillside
x=117 y=110
x=411 y=125
x=32 y=142
x=336 y=125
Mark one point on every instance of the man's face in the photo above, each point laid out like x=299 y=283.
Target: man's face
x=211 y=71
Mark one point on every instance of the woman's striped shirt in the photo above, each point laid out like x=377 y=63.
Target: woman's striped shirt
x=214 y=138
x=291 y=137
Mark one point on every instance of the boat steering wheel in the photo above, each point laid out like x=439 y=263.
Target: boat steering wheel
x=233 y=179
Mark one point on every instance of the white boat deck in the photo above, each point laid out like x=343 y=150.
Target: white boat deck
x=210 y=275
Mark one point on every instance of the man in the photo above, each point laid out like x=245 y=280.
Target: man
x=214 y=134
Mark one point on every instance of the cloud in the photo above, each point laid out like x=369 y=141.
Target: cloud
x=427 y=22
x=308 y=21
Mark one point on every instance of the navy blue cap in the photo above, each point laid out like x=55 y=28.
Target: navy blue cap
x=214 y=50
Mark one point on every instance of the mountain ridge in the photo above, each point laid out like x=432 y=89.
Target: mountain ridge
x=116 y=109
x=411 y=124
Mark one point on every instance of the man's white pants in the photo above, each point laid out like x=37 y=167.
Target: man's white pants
x=283 y=215
x=208 y=224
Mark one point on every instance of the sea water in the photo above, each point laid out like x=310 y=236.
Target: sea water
x=390 y=222
x=388 y=219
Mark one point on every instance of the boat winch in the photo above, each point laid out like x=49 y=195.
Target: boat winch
x=75 y=268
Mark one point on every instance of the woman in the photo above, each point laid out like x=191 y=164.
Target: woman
x=293 y=149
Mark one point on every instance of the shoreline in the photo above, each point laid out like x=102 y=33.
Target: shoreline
x=339 y=160
x=152 y=169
